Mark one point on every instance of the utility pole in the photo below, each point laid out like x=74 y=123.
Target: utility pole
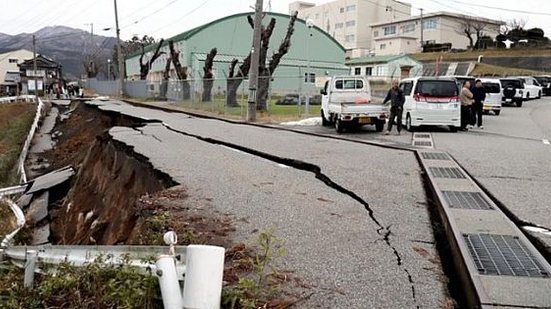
x=119 y=52
x=255 y=59
x=34 y=67
x=422 y=30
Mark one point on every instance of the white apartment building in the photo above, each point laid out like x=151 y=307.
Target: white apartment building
x=404 y=36
x=9 y=69
x=348 y=21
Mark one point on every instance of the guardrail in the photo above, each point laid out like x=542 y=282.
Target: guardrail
x=27 y=145
x=202 y=277
x=20 y=219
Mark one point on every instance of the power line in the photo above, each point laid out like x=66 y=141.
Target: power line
x=180 y=17
x=502 y=9
x=149 y=15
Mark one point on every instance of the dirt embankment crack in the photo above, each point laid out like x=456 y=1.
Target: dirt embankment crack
x=384 y=231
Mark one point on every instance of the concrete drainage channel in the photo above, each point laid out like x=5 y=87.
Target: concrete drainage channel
x=498 y=266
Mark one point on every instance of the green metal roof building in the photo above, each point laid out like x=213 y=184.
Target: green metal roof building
x=312 y=51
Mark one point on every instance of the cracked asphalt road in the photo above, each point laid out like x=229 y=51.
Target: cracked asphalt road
x=269 y=177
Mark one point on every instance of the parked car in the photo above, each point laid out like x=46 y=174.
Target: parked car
x=431 y=101
x=545 y=82
x=493 y=95
x=512 y=90
x=288 y=99
x=532 y=89
x=346 y=103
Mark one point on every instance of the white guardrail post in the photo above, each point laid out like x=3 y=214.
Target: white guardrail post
x=168 y=281
x=204 y=272
x=30 y=265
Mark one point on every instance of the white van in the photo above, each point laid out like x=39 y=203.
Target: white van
x=431 y=101
x=493 y=95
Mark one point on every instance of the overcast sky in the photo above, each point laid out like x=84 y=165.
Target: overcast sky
x=166 y=18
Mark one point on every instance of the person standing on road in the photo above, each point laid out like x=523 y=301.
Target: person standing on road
x=396 y=97
x=479 y=95
x=466 y=98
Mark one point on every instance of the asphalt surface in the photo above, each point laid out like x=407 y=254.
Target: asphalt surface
x=510 y=157
x=333 y=202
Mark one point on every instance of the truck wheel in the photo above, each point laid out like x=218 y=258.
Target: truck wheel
x=379 y=126
x=324 y=122
x=528 y=96
x=453 y=129
x=409 y=127
x=339 y=126
x=519 y=103
x=497 y=113
x=539 y=95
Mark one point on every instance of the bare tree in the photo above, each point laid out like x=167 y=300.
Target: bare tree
x=265 y=71
x=208 y=77
x=144 y=67
x=181 y=71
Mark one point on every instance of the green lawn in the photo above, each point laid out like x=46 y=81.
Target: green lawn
x=274 y=112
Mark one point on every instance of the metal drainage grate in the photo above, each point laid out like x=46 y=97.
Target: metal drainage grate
x=467 y=200
x=435 y=156
x=503 y=255
x=423 y=143
x=421 y=135
x=446 y=172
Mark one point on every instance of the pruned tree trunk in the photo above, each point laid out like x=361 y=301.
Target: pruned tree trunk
x=266 y=73
x=144 y=67
x=181 y=71
x=164 y=83
x=235 y=80
x=208 y=77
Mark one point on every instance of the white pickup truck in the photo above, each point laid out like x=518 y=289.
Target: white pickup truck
x=346 y=103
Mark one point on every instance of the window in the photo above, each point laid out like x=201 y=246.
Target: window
x=341 y=10
x=389 y=30
x=436 y=88
x=409 y=28
x=429 y=24
x=349 y=38
x=339 y=25
x=368 y=71
x=349 y=84
x=382 y=46
x=406 y=87
x=491 y=87
x=358 y=71
x=351 y=23
x=351 y=8
x=375 y=33
x=13 y=60
x=309 y=78
x=379 y=70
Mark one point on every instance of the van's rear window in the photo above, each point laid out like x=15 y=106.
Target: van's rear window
x=436 y=88
x=491 y=87
x=349 y=84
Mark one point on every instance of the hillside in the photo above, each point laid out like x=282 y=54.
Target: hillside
x=528 y=59
x=65 y=45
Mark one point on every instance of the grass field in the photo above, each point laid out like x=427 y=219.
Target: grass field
x=274 y=113
x=15 y=122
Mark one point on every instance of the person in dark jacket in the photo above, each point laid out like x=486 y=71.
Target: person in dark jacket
x=396 y=97
x=479 y=95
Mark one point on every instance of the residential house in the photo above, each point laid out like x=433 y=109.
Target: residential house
x=47 y=73
x=348 y=20
x=403 y=36
x=385 y=68
x=9 y=70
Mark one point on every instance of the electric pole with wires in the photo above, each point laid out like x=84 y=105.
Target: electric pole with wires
x=255 y=59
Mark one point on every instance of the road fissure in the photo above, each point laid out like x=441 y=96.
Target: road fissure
x=384 y=232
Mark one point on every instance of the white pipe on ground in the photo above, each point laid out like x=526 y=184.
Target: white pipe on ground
x=203 y=281
x=168 y=281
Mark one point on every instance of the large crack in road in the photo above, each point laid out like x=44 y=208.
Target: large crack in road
x=383 y=231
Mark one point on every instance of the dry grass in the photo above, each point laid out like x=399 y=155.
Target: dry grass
x=473 y=55
x=483 y=69
x=7 y=220
x=15 y=122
